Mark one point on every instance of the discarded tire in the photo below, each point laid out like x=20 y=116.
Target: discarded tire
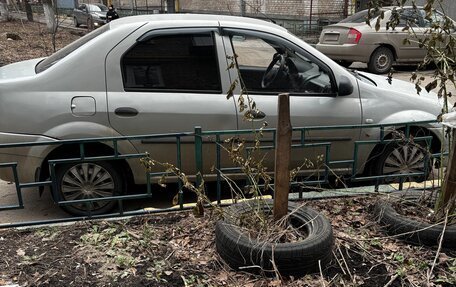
x=413 y=231
x=293 y=258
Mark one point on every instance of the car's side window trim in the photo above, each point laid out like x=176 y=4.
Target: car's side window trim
x=287 y=43
x=173 y=31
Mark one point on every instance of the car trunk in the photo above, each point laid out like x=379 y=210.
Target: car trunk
x=337 y=34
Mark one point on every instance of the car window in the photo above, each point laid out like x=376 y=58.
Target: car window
x=411 y=17
x=289 y=71
x=60 y=54
x=184 y=62
x=361 y=16
x=435 y=17
x=97 y=8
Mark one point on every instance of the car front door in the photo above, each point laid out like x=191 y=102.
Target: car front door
x=313 y=95
x=170 y=81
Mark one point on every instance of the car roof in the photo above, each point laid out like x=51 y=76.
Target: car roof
x=222 y=20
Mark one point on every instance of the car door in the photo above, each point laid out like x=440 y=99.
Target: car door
x=408 y=50
x=170 y=81
x=313 y=90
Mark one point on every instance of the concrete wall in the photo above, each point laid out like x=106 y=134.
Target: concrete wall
x=284 y=8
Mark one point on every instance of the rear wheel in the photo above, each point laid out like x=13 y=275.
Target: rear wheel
x=381 y=61
x=75 y=22
x=88 y=180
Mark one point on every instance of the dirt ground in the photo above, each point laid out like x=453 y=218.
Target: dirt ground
x=177 y=249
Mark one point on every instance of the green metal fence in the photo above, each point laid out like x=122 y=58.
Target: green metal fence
x=196 y=137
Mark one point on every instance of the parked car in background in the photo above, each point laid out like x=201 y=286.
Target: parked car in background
x=353 y=40
x=91 y=15
x=156 y=74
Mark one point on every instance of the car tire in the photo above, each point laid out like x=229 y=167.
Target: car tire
x=401 y=158
x=381 y=61
x=84 y=180
x=290 y=258
x=345 y=64
x=75 y=22
x=410 y=230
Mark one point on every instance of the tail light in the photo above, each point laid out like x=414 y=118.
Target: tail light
x=353 y=36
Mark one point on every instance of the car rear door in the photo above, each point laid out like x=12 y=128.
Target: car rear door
x=169 y=81
x=408 y=50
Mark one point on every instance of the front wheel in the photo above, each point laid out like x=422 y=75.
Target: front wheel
x=88 y=180
x=402 y=158
x=75 y=22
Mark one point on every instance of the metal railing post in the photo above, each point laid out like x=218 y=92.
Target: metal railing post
x=198 y=155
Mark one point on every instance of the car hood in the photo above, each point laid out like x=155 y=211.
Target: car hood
x=399 y=86
x=19 y=69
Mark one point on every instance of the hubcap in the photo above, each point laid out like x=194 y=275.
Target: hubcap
x=403 y=160
x=85 y=181
x=382 y=61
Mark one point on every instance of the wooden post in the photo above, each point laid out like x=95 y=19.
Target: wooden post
x=282 y=158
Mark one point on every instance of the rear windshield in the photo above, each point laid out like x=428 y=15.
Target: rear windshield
x=360 y=17
x=62 y=53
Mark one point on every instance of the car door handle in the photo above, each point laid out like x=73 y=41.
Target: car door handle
x=126 y=112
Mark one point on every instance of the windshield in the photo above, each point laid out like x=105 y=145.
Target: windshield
x=62 y=53
x=96 y=7
x=361 y=17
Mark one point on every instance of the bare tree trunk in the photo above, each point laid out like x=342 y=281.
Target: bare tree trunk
x=49 y=16
x=447 y=200
x=4 y=13
x=28 y=10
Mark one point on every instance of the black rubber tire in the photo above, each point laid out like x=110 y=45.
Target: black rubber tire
x=377 y=163
x=381 y=61
x=294 y=258
x=75 y=22
x=415 y=232
x=344 y=63
x=100 y=207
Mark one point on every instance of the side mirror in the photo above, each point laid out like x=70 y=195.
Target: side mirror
x=345 y=86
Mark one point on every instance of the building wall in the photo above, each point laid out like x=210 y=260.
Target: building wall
x=285 y=8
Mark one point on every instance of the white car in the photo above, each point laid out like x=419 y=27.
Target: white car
x=170 y=73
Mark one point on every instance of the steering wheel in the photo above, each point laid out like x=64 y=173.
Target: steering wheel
x=307 y=79
x=271 y=74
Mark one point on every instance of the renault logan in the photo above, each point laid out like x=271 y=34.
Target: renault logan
x=170 y=73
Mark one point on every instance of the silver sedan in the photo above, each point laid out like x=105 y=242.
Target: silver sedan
x=169 y=73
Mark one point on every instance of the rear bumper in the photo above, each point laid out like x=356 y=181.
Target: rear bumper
x=347 y=52
x=28 y=159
